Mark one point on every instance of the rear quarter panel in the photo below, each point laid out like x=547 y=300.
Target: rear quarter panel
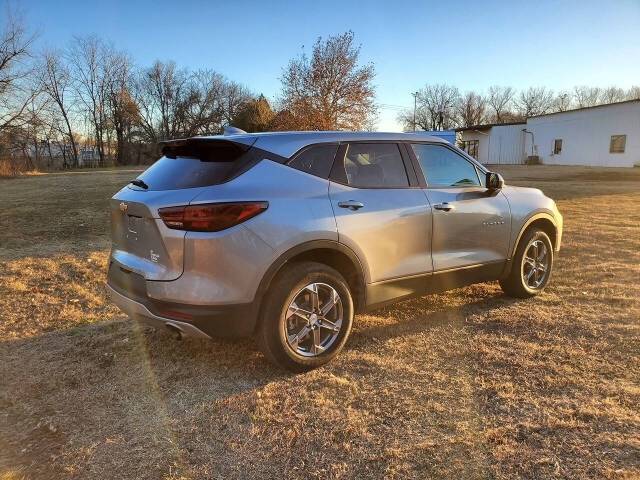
x=299 y=211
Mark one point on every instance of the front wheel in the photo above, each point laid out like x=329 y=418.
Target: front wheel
x=307 y=316
x=531 y=265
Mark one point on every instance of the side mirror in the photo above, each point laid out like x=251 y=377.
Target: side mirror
x=494 y=181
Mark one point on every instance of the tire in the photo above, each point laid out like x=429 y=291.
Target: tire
x=522 y=282
x=280 y=333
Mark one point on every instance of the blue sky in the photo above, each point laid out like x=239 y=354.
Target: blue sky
x=471 y=45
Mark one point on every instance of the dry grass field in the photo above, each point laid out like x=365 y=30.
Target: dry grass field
x=465 y=385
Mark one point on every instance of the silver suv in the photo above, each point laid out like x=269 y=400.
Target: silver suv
x=287 y=235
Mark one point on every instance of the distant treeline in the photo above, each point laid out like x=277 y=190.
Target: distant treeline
x=444 y=107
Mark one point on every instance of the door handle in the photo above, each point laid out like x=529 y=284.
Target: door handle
x=446 y=206
x=351 y=205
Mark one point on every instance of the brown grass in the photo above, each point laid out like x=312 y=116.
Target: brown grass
x=468 y=384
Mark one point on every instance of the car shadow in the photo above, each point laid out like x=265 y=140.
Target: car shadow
x=422 y=314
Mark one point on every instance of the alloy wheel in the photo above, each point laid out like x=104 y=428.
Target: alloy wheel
x=536 y=264
x=313 y=319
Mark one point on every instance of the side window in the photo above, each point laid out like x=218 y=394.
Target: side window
x=373 y=165
x=444 y=168
x=316 y=160
x=557 y=146
x=617 y=144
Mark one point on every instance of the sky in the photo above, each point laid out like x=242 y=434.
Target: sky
x=471 y=45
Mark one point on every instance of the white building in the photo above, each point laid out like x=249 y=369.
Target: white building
x=604 y=135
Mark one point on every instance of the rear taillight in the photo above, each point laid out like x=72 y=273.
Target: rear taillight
x=210 y=217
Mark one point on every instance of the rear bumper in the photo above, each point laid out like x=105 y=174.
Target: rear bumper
x=128 y=291
x=140 y=312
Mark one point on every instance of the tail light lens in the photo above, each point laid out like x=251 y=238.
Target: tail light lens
x=210 y=217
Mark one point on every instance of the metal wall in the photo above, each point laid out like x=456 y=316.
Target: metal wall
x=501 y=144
x=506 y=145
x=586 y=136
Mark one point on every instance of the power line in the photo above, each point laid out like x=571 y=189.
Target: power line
x=388 y=106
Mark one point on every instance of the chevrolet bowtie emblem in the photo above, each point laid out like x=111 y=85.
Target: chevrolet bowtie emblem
x=123 y=206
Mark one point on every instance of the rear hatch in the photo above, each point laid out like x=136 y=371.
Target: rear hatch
x=141 y=242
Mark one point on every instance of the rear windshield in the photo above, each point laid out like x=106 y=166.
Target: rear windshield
x=183 y=172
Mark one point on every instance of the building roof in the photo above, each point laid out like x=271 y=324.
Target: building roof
x=488 y=125
x=587 y=108
x=287 y=143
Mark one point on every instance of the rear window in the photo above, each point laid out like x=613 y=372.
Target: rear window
x=198 y=163
x=181 y=172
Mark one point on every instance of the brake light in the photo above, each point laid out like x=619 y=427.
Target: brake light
x=210 y=217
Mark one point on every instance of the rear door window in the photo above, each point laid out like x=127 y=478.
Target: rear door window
x=372 y=165
x=316 y=160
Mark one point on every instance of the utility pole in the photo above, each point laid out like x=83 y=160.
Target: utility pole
x=415 y=97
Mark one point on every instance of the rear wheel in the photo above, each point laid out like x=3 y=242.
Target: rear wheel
x=307 y=316
x=531 y=265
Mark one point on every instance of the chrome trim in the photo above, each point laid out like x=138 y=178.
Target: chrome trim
x=138 y=310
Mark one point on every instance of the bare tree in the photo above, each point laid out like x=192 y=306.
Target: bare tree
x=235 y=96
x=562 y=102
x=16 y=90
x=470 y=109
x=329 y=91
x=500 y=100
x=176 y=103
x=123 y=108
x=612 y=94
x=586 y=96
x=209 y=98
x=86 y=57
x=633 y=93
x=535 y=101
x=33 y=126
x=435 y=108
x=162 y=88
x=55 y=81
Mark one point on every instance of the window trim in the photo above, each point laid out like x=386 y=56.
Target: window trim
x=624 y=149
x=342 y=152
x=408 y=165
x=423 y=180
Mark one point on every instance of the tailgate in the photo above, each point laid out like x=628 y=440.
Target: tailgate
x=140 y=240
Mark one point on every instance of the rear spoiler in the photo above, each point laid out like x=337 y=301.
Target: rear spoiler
x=201 y=147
